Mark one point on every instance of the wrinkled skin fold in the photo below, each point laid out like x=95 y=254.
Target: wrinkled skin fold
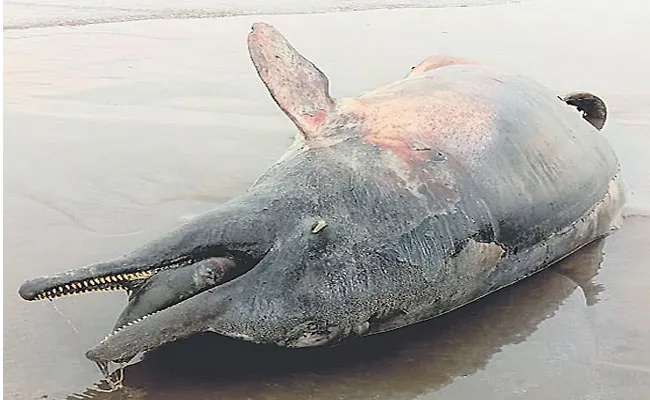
x=390 y=208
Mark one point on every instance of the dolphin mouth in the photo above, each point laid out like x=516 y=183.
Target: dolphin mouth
x=136 y=280
x=151 y=290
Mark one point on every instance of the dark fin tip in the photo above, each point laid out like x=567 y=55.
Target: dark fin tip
x=593 y=108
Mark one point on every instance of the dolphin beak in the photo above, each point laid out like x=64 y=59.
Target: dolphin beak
x=121 y=274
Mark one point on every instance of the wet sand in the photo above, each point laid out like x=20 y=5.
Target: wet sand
x=114 y=133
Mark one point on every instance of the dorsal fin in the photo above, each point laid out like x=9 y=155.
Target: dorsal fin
x=299 y=88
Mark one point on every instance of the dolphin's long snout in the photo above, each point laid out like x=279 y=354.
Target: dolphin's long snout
x=120 y=274
x=226 y=231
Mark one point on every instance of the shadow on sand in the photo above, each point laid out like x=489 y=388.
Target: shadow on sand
x=402 y=363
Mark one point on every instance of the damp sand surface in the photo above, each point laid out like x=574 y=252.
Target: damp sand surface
x=116 y=132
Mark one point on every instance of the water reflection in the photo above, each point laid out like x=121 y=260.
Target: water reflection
x=401 y=364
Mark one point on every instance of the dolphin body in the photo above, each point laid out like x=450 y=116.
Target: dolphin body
x=389 y=209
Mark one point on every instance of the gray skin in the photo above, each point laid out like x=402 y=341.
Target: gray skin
x=390 y=208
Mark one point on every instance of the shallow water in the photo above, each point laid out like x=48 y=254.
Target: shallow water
x=114 y=133
x=21 y=14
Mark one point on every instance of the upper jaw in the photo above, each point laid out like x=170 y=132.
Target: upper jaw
x=84 y=280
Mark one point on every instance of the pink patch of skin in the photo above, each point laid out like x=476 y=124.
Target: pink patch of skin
x=413 y=120
x=434 y=62
x=316 y=119
x=436 y=119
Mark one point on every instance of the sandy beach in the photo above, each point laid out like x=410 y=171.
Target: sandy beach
x=115 y=133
